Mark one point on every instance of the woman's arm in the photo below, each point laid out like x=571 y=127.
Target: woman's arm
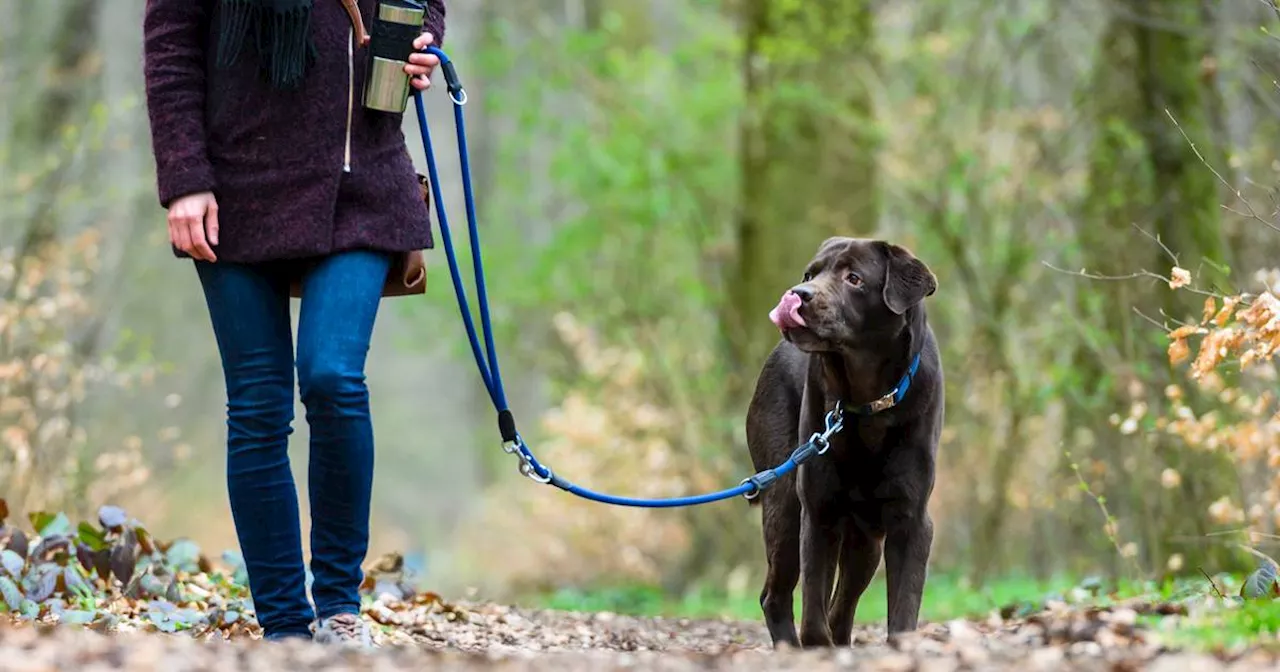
x=174 y=35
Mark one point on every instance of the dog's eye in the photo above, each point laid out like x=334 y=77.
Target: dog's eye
x=854 y=279
x=807 y=277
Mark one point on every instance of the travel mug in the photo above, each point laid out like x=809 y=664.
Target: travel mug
x=396 y=24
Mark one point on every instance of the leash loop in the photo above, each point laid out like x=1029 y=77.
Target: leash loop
x=486 y=356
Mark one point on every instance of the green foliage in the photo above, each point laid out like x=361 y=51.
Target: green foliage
x=97 y=573
x=1226 y=628
x=947 y=596
x=1261 y=583
x=647 y=167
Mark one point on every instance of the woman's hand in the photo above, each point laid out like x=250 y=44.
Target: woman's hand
x=193 y=225
x=420 y=65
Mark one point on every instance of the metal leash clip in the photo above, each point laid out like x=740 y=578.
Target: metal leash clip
x=526 y=467
x=834 y=422
x=817 y=445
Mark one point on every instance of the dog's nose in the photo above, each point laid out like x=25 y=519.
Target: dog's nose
x=805 y=292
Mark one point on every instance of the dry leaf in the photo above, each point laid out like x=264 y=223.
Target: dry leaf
x=1210 y=307
x=1228 y=309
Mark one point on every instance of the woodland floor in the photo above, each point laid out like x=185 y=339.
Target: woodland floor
x=427 y=633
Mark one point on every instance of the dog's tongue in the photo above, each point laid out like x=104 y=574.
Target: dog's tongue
x=786 y=315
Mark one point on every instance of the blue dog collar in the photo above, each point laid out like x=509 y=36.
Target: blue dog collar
x=898 y=393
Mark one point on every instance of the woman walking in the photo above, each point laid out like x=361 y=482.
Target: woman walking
x=275 y=176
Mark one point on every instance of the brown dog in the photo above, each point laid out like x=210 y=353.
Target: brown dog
x=853 y=330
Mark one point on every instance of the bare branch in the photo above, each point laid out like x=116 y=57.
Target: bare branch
x=1259 y=554
x=1129 y=276
x=1169 y=318
x=1156 y=237
x=1274 y=7
x=1239 y=196
x=1150 y=319
x=1266 y=74
x=1163 y=324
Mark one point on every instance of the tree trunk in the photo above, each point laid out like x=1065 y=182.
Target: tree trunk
x=807 y=156
x=39 y=132
x=1145 y=173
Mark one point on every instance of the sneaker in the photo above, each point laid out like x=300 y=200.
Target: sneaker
x=347 y=630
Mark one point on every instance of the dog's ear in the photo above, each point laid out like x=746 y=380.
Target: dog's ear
x=907 y=281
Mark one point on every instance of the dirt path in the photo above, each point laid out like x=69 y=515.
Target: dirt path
x=488 y=637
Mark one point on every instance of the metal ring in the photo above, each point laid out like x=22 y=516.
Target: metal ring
x=750 y=494
x=821 y=442
x=459 y=101
x=527 y=470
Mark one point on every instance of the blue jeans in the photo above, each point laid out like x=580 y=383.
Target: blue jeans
x=249 y=308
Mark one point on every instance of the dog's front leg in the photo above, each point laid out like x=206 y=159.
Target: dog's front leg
x=819 y=553
x=819 y=544
x=907 y=545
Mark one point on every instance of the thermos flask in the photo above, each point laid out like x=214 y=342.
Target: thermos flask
x=396 y=24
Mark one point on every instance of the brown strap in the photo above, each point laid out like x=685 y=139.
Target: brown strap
x=357 y=21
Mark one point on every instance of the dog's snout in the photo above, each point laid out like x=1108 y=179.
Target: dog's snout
x=805 y=292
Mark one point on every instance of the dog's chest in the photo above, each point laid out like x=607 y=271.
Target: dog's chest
x=863 y=450
x=864 y=438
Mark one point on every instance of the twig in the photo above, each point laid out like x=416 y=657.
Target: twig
x=1223 y=533
x=1274 y=7
x=1260 y=555
x=1112 y=525
x=1235 y=212
x=1095 y=276
x=1130 y=276
x=1167 y=319
x=1239 y=196
x=1212 y=584
x=1150 y=319
x=1170 y=318
x=1156 y=237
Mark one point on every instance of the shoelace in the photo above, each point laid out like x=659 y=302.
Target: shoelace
x=345 y=625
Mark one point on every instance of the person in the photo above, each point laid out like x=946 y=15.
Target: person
x=274 y=173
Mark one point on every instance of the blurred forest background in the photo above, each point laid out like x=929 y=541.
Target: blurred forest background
x=652 y=175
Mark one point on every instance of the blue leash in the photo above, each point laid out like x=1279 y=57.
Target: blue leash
x=487 y=358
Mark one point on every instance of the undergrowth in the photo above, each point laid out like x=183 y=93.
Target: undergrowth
x=111 y=571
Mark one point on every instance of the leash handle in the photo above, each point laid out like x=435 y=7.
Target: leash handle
x=456 y=93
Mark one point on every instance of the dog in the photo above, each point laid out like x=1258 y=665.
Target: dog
x=852 y=331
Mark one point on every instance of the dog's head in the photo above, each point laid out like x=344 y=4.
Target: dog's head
x=853 y=294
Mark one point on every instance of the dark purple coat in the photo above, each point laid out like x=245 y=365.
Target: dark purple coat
x=296 y=173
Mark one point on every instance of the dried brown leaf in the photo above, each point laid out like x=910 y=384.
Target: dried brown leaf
x=1228 y=310
x=1210 y=307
